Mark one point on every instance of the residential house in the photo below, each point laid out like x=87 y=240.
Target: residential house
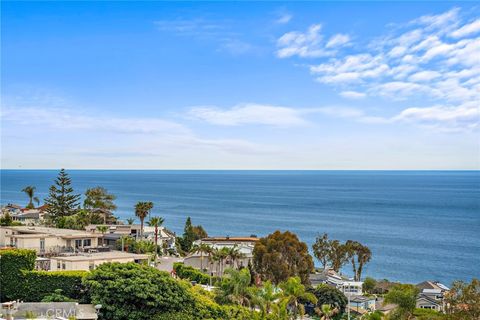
x=244 y=245
x=362 y=303
x=165 y=237
x=342 y=283
x=432 y=295
x=48 y=241
x=90 y=260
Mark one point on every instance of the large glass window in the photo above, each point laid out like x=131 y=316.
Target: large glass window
x=78 y=243
x=87 y=242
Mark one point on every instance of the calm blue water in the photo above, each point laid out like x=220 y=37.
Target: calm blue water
x=419 y=224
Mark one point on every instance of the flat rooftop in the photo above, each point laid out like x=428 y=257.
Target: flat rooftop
x=227 y=239
x=109 y=255
x=64 y=233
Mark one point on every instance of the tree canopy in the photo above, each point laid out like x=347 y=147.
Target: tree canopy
x=280 y=256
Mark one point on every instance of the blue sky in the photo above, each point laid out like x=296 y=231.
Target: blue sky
x=313 y=85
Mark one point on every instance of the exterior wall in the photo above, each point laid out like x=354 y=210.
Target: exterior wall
x=82 y=264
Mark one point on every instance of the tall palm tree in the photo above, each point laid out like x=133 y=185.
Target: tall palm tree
x=156 y=222
x=30 y=191
x=103 y=230
x=142 y=210
x=216 y=258
x=293 y=291
x=224 y=254
x=235 y=255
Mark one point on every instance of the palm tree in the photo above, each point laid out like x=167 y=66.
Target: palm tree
x=130 y=221
x=103 y=230
x=265 y=297
x=215 y=259
x=142 y=210
x=30 y=191
x=293 y=291
x=224 y=254
x=235 y=286
x=156 y=222
x=235 y=255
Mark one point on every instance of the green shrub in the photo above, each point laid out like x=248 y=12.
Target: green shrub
x=37 y=285
x=132 y=291
x=12 y=263
x=18 y=280
x=190 y=273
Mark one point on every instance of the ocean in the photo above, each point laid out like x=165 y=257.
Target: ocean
x=420 y=225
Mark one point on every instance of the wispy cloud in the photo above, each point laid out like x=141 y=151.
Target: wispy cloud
x=432 y=59
x=338 y=40
x=249 y=114
x=191 y=27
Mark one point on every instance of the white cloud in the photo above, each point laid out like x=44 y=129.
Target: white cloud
x=448 y=118
x=467 y=29
x=284 y=18
x=338 y=40
x=302 y=44
x=426 y=75
x=353 y=94
x=432 y=60
x=446 y=19
x=65 y=119
x=249 y=114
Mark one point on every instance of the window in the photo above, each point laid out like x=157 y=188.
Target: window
x=58 y=265
x=87 y=243
x=78 y=243
x=42 y=245
x=64 y=266
x=91 y=266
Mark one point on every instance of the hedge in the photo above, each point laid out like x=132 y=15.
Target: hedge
x=12 y=262
x=190 y=273
x=18 y=280
x=38 y=284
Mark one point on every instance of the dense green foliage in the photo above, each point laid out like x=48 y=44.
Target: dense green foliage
x=12 y=263
x=36 y=285
x=280 y=256
x=133 y=291
x=330 y=296
x=20 y=281
x=61 y=201
x=57 y=296
x=186 y=272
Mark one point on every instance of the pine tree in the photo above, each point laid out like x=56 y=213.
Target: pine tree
x=188 y=236
x=61 y=201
